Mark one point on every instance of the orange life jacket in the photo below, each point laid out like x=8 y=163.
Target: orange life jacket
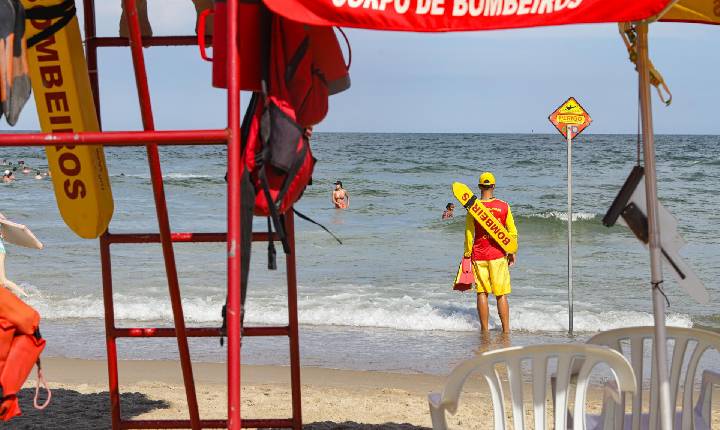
x=20 y=348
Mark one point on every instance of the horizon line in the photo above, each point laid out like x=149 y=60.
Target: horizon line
x=437 y=132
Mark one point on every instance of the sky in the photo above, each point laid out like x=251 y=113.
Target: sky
x=486 y=82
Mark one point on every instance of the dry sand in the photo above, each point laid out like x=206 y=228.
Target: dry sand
x=332 y=399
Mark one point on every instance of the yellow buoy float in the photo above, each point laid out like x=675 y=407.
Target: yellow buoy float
x=64 y=100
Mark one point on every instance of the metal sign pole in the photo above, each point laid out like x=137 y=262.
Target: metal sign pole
x=570 y=119
x=569 y=232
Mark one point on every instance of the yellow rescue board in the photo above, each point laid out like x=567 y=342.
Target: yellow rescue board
x=65 y=103
x=484 y=217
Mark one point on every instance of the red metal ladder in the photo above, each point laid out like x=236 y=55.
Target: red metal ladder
x=152 y=139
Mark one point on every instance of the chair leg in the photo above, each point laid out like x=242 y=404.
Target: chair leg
x=553 y=384
x=437 y=412
x=704 y=404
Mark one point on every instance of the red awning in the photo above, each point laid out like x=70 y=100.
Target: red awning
x=462 y=15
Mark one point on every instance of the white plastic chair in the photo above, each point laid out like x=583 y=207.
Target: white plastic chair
x=587 y=357
x=689 y=345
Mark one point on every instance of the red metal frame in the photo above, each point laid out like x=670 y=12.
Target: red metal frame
x=152 y=139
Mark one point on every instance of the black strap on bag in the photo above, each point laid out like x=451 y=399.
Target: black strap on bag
x=262 y=162
x=223 y=327
x=263 y=158
x=246 y=219
x=65 y=11
x=310 y=220
x=272 y=253
x=247 y=199
x=247 y=189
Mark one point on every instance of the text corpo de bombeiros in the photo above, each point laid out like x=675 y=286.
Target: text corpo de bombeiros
x=462 y=7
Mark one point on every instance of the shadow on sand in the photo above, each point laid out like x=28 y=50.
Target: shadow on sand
x=70 y=409
x=327 y=425
x=73 y=410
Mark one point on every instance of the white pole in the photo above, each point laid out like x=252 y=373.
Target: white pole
x=667 y=409
x=569 y=223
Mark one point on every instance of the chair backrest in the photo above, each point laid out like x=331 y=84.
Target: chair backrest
x=586 y=357
x=635 y=340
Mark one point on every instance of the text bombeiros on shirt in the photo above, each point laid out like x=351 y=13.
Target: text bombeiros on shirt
x=463 y=7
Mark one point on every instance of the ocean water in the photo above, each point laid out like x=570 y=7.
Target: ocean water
x=383 y=299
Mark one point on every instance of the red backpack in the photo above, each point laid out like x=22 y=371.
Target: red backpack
x=279 y=162
x=291 y=68
x=294 y=97
x=298 y=67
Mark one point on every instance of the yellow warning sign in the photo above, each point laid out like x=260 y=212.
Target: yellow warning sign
x=570 y=113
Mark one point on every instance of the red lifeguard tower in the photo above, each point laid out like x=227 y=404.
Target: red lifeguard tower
x=433 y=16
x=152 y=139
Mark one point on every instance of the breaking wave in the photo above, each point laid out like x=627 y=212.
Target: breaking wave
x=353 y=310
x=562 y=216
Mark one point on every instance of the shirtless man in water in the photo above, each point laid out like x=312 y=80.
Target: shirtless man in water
x=340 y=197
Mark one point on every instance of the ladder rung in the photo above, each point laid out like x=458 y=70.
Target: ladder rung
x=181 y=237
x=118 y=138
x=149 y=41
x=171 y=424
x=215 y=424
x=268 y=423
x=198 y=331
x=155 y=237
x=166 y=332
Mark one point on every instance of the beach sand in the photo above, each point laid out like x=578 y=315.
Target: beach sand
x=332 y=399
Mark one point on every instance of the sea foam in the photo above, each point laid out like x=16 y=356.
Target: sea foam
x=562 y=216
x=345 y=310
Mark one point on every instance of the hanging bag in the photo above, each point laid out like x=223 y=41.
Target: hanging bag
x=20 y=347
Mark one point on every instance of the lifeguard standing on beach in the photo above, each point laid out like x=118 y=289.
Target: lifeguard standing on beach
x=490 y=263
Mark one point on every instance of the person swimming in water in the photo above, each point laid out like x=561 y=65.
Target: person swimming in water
x=449 y=211
x=340 y=197
x=4 y=281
